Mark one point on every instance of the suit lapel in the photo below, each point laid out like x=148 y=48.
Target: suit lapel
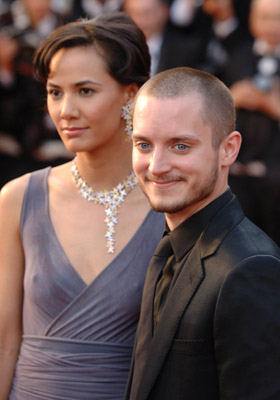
x=178 y=300
x=145 y=325
x=188 y=282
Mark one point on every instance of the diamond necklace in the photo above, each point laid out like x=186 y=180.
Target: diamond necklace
x=110 y=199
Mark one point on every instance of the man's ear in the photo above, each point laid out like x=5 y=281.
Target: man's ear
x=229 y=148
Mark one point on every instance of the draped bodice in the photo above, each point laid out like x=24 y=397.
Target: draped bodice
x=61 y=312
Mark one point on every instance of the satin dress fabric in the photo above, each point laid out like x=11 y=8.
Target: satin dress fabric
x=77 y=338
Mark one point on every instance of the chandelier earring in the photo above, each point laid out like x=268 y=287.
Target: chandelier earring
x=127 y=116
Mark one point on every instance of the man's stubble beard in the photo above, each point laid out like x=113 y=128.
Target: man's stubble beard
x=198 y=194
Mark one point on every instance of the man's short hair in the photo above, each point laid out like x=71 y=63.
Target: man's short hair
x=218 y=106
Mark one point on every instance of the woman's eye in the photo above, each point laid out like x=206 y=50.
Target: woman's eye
x=86 y=91
x=54 y=93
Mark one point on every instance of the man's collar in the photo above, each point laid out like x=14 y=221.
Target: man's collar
x=222 y=29
x=261 y=48
x=185 y=235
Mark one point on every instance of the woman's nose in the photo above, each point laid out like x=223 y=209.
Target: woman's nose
x=68 y=108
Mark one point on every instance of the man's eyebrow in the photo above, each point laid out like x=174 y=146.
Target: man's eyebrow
x=135 y=136
x=192 y=138
x=185 y=137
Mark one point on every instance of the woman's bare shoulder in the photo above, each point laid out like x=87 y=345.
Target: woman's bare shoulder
x=12 y=193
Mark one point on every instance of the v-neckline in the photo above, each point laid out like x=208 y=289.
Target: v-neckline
x=63 y=252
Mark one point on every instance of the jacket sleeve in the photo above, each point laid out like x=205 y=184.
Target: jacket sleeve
x=247 y=331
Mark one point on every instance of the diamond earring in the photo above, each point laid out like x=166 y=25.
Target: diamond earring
x=127 y=116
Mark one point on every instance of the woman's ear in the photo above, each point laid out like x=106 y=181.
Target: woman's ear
x=229 y=148
x=131 y=91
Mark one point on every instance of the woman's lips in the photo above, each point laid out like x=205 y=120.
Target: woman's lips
x=73 y=131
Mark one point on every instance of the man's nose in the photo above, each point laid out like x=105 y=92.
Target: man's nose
x=159 y=162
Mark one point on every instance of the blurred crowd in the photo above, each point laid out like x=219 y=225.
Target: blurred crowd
x=236 y=40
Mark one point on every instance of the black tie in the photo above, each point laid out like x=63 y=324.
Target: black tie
x=145 y=325
x=165 y=280
x=164 y=248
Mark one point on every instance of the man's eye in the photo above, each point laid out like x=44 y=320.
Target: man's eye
x=181 y=146
x=143 y=146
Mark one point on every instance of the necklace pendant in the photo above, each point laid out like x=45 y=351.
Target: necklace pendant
x=110 y=199
x=110 y=247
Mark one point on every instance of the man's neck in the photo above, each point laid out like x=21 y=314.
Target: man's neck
x=175 y=219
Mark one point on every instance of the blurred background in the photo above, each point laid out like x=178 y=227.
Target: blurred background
x=236 y=40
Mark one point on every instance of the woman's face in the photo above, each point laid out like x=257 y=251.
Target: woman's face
x=84 y=100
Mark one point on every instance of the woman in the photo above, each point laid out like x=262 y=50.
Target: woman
x=76 y=239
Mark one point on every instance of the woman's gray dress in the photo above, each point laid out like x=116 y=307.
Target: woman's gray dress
x=77 y=338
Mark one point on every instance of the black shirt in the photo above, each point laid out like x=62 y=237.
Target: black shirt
x=182 y=240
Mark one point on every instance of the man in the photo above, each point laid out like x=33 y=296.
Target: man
x=28 y=140
x=225 y=33
x=168 y=47
x=210 y=324
x=92 y=8
x=255 y=87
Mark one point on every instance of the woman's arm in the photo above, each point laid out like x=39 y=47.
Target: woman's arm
x=11 y=281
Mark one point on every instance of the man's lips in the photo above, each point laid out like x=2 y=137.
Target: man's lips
x=163 y=183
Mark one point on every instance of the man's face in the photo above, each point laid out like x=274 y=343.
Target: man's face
x=173 y=155
x=218 y=9
x=265 y=21
x=37 y=9
x=150 y=15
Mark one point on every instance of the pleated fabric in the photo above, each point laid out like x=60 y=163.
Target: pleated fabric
x=77 y=338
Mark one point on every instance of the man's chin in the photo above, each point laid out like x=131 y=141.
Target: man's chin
x=167 y=208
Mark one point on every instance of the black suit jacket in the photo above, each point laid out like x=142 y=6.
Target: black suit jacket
x=214 y=62
x=218 y=336
x=259 y=197
x=179 y=50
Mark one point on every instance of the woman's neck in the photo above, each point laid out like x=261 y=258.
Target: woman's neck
x=105 y=171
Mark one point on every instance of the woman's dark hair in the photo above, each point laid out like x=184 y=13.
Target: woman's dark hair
x=114 y=35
